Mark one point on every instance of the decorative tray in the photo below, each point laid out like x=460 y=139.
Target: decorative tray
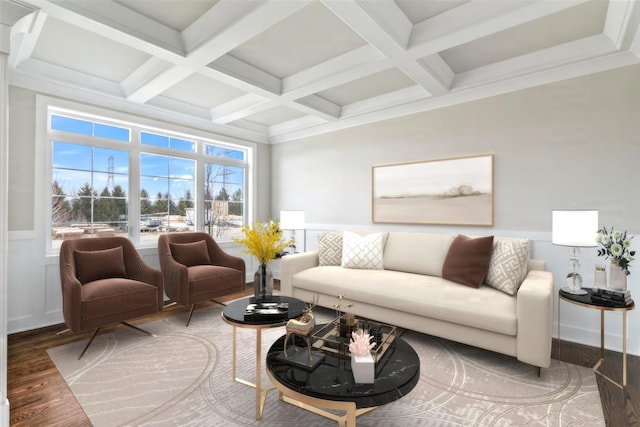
x=328 y=338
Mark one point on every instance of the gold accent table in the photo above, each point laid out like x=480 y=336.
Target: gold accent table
x=585 y=301
x=233 y=314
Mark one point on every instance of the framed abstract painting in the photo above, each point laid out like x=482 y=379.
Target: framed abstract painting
x=445 y=191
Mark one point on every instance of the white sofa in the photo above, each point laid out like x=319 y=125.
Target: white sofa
x=410 y=292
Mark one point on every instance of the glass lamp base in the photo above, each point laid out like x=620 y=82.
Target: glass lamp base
x=578 y=291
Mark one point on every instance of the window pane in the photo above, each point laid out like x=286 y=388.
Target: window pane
x=89 y=195
x=71 y=125
x=112 y=132
x=224 y=199
x=181 y=168
x=228 y=153
x=114 y=161
x=153 y=139
x=154 y=165
x=182 y=145
x=71 y=156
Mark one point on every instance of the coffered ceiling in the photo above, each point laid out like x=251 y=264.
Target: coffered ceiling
x=277 y=70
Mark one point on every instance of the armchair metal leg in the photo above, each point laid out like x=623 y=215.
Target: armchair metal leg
x=193 y=306
x=139 y=329
x=89 y=343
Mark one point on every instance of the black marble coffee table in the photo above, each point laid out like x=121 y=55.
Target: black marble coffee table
x=331 y=386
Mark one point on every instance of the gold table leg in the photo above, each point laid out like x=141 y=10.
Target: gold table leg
x=261 y=393
x=596 y=368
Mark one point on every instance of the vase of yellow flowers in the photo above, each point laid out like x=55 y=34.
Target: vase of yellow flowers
x=264 y=241
x=617 y=246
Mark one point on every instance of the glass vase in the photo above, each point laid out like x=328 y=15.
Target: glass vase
x=263 y=283
x=617 y=277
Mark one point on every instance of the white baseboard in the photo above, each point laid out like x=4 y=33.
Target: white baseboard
x=4 y=413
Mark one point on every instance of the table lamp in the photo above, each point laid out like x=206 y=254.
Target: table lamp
x=577 y=229
x=293 y=220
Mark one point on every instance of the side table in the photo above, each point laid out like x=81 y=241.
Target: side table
x=585 y=301
x=233 y=314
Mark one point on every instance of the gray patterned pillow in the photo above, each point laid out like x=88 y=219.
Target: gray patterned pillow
x=508 y=266
x=364 y=252
x=330 y=248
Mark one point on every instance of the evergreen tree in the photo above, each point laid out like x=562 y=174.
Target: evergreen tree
x=82 y=204
x=145 y=204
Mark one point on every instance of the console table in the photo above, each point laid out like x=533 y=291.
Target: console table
x=585 y=301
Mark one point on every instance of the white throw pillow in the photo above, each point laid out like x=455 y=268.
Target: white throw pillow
x=330 y=248
x=508 y=266
x=363 y=252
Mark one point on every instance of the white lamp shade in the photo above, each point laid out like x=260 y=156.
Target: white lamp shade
x=575 y=228
x=292 y=220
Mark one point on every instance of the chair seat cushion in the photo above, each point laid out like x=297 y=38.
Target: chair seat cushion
x=106 y=297
x=208 y=279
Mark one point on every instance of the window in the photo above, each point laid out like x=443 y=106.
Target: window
x=114 y=178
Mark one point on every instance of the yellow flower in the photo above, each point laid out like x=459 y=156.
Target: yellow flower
x=263 y=241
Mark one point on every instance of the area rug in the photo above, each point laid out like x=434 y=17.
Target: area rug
x=182 y=377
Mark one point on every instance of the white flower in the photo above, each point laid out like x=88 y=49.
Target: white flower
x=616 y=249
x=617 y=235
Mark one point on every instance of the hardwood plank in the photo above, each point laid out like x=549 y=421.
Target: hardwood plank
x=38 y=394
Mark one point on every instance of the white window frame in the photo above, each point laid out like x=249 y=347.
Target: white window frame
x=44 y=137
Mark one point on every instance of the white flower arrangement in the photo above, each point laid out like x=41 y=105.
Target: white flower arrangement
x=360 y=344
x=617 y=246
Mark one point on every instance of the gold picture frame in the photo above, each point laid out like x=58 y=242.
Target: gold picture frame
x=453 y=191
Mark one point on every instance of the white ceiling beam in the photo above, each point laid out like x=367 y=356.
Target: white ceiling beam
x=116 y=16
x=230 y=23
x=238 y=108
x=358 y=63
x=164 y=47
x=295 y=125
x=542 y=60
x=234 y=23
x=269 y=86
x=367 y=19
x=316 y=103
x=477 y=19
x=24 y=36
x=381 y=102
x=622 y=22
x=151 y=79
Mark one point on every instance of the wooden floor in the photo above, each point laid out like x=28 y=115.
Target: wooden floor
x=38 y=395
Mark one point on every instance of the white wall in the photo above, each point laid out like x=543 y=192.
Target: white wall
x=572 y=144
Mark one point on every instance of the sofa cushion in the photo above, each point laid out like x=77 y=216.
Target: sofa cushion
x=434 y=297
x=101 y=264
x=508 y=266
x=190 y=254
x=330 y=248
x=363 y=252
x=468 y=260
x=421 y=253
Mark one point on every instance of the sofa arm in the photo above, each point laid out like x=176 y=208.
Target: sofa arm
x=292 y=264
x=535 y=319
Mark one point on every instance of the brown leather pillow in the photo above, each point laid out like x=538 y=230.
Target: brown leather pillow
x=467 y=261
x=102 y=264
x=190 y=254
